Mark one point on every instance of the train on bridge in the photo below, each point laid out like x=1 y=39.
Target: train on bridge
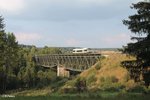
x=78 y=61
x=82 y=51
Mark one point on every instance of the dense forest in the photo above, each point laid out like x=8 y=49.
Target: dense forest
x=17 y=69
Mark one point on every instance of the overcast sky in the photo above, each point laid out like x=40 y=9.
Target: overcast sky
x=63 y=23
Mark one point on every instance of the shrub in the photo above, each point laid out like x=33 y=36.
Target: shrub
x=68 y=90
x=45 y=78
x=138 y=89
x=12 y=82
x=80 y=85
x=58 y=83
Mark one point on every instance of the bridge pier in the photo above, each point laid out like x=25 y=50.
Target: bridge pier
x=61 y=71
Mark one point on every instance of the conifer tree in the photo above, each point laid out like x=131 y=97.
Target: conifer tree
x=139 y=24
x=1 y=24
x=2 y=48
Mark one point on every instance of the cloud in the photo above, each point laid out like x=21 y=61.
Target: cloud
x=64 y=10
x=89 y=19
x=28 y=38
x=11 y=5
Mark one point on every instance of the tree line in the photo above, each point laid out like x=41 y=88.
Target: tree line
x=17 y=69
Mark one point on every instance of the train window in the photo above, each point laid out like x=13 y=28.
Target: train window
x=79 y=50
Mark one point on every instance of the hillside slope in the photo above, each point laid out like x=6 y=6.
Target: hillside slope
x=107 y=73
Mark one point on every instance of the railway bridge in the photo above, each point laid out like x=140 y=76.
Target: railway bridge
x=67 y=62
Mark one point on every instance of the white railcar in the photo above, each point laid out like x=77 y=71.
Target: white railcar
x=81 y=51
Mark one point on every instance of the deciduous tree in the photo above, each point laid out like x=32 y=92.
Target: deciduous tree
x=8 y=57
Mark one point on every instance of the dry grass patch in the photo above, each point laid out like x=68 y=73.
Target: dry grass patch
x=110 y=70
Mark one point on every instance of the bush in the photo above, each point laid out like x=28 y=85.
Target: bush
x=12 y=82
x=45 y=78
x=137 y=89
x=58 y=83
x=68 y=90
x=81 y=85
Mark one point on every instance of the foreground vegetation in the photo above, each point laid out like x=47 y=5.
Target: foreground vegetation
x=102 y=96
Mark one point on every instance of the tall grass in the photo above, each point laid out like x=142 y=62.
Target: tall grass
x=83 y=97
